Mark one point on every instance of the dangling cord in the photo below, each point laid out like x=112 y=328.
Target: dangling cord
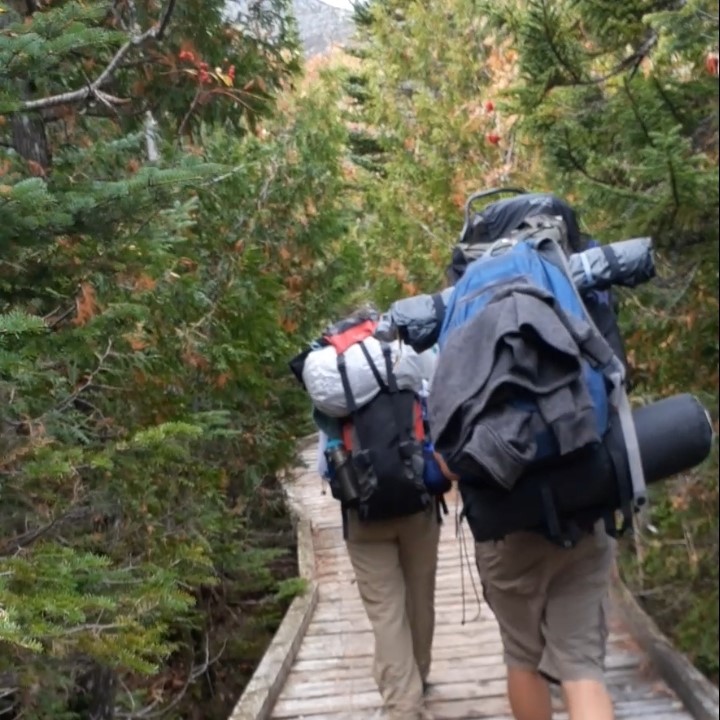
x=464 y=558
x=463 y=540
x=460 y=551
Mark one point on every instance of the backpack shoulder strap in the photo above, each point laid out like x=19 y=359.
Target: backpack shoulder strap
x=372 y=366
x=342 y=369
x=347 y=390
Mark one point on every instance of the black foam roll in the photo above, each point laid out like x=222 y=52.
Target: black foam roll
x=673 y=434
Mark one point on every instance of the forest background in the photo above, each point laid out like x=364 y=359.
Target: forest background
x=184 y=202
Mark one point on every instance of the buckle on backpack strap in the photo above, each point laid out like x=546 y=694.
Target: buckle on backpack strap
x=567 y=538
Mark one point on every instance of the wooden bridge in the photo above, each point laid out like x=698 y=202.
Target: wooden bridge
x=319 y=666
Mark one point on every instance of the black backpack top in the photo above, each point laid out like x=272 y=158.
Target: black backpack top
x=481 y=229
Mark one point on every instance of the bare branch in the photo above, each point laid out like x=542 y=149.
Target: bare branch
x=12 y=546
x=94 y=628
x=93 y=89
x=88 y=381
x=151 y=148
x=149 y=712
x=165 y=20
x=189 y=113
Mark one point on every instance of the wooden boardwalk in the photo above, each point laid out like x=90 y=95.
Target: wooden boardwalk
x=331 y=678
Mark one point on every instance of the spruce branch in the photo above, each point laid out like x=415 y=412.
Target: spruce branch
x=93 y=89
x=550 y=33
x=631 y=62
x=646 y=131
x=579 y=166
x=89 y=380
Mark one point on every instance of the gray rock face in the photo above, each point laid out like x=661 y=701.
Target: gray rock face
x=321 y=25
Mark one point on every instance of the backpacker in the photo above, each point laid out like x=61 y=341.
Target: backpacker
x=378 y=462
x=524 y=379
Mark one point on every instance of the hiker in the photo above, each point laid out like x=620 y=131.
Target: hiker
x=395 y=563
x=370 y=418
x=527 y=387
x=549 y=602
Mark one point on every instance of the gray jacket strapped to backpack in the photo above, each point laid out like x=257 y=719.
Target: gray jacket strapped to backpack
x=468 y=430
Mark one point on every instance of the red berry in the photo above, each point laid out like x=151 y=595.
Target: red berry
x=493 y=138
x=711 y=63
x=489 y=106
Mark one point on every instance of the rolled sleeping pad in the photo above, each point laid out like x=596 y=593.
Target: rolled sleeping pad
x=417 y=319
x=628 y=262
x=674 y=435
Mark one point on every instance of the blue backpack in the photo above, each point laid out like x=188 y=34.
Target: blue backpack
x=533 y=255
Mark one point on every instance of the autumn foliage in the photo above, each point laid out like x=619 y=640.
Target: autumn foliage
x=167 y=239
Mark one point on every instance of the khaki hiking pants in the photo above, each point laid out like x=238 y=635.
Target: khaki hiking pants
x=395 y=562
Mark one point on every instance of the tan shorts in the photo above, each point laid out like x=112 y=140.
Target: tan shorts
x=550 y=602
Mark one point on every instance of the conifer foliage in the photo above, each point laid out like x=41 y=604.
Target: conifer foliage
x=624 y=100
x=164 y=244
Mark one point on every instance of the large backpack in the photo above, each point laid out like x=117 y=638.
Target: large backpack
x=530 y=257
x=386 y=439
x=522 y=257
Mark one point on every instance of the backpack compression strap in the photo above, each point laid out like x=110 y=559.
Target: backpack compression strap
x=376 y=373
x=342 y=369
x=392 y=385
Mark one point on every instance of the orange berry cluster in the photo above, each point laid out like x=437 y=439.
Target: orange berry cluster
x=203 y=68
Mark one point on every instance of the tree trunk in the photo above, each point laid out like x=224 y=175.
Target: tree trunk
x=94 y=694
x=29 y=137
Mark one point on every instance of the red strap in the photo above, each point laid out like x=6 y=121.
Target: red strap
x=419 y=428
x=419 y=425
x=355 y=334
x=347 y=436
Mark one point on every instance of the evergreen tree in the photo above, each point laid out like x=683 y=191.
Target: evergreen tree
x=627 y=113
x=164 y=247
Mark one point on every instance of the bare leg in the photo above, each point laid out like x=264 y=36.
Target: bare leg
x=588 y=700
x=529 y=695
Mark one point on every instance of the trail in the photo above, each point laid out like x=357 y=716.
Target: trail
x=331 y=677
